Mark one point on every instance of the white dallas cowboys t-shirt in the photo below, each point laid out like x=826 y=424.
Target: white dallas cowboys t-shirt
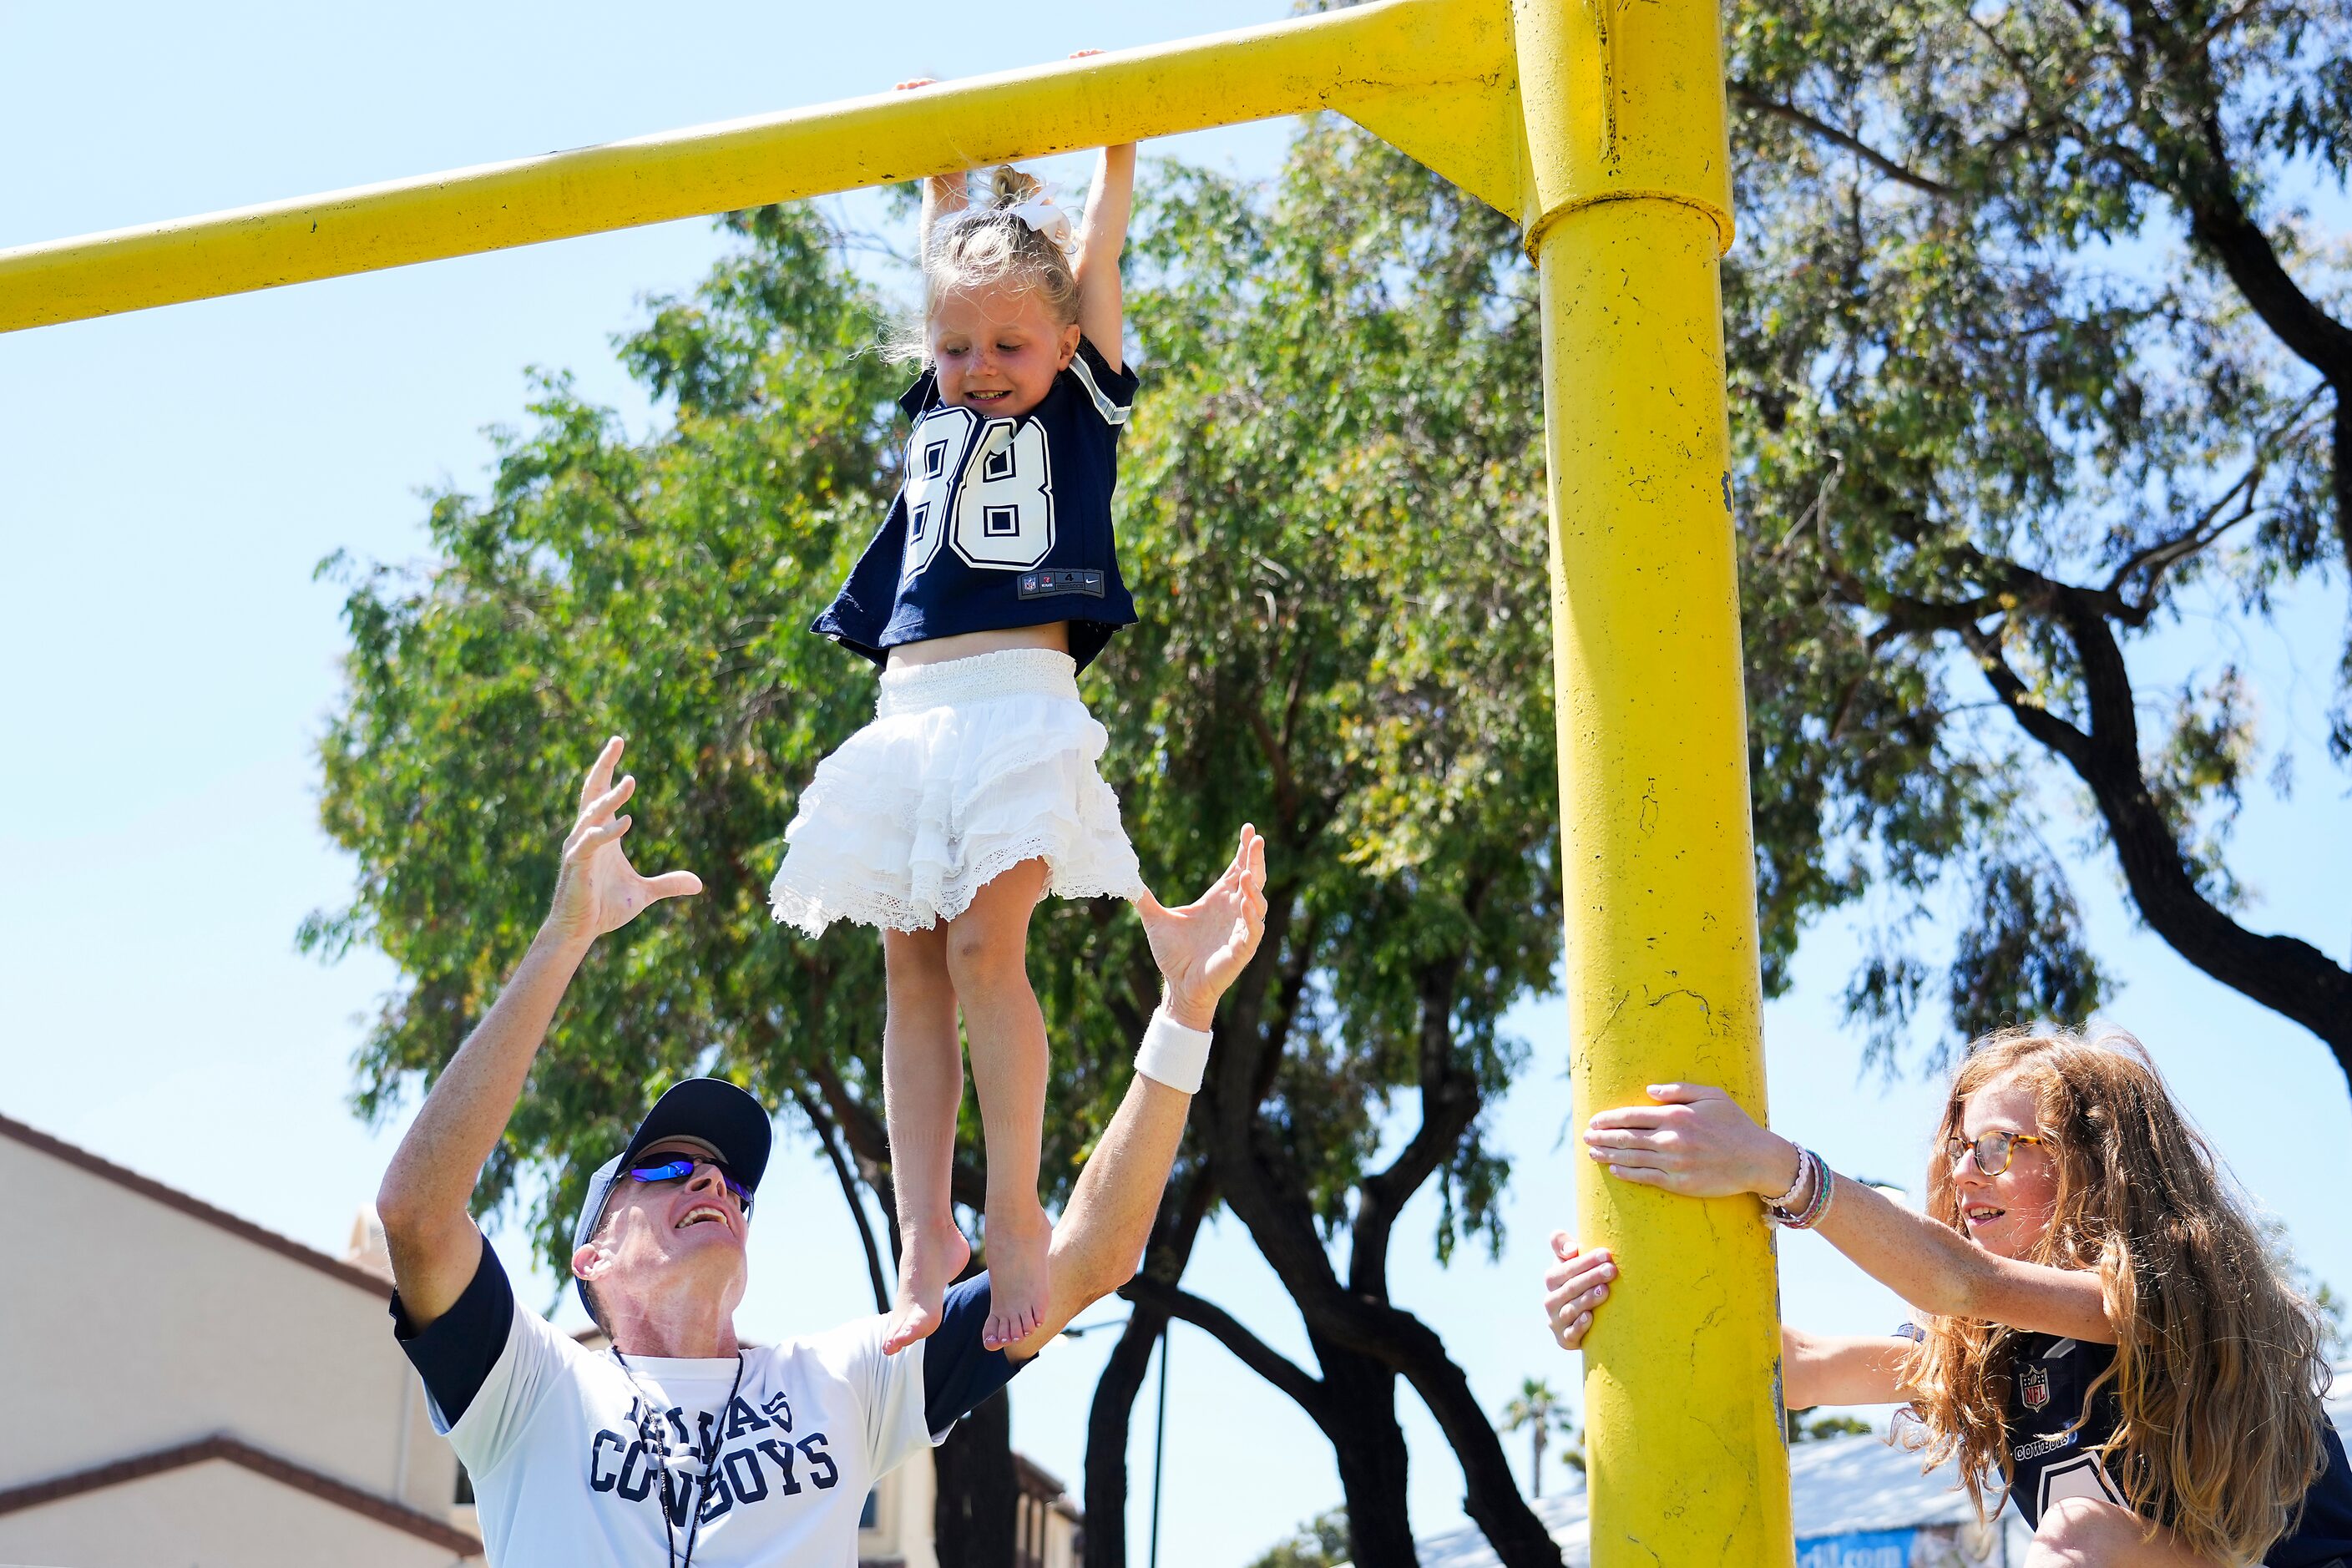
x=566 y=1447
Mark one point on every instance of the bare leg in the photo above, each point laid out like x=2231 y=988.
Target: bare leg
x=2078 y=1532
x=988 y=954
x=922 y=1089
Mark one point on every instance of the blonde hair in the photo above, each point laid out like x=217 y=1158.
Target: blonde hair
x=2218 y=1371
x=986 y=245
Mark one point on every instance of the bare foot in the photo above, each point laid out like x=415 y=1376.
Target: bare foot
x=934 y=1256
x=1019 y=1237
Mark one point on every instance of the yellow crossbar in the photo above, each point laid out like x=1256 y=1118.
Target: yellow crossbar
x=1348 y=60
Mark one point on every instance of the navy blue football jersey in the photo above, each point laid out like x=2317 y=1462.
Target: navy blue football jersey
x=1001 y=522
x=2050 y=1455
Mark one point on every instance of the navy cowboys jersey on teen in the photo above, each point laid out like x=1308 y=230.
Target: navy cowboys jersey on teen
x=2056 y=1424
x=1000 y=523
x=2051 y=1436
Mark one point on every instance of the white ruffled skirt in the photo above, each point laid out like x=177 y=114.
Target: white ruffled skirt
x=970 y=767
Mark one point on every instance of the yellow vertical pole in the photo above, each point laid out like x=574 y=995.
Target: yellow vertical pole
x=1628 y=208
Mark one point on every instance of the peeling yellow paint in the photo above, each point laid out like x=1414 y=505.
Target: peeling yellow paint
x=1682 y=1419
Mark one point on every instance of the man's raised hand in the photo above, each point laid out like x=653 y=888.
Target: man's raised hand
x=598 y=890
x=1203 y=946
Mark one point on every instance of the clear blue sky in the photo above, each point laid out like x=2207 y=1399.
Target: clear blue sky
x=172 y=478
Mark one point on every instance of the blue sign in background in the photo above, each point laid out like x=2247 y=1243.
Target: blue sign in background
x=1863 y=1549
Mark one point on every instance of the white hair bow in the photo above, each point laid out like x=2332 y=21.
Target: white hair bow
x=1038 y=211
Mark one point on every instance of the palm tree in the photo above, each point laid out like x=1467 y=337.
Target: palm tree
x=1542 y=1411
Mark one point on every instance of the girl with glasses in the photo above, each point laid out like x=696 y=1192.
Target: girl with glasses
x=2101 y=1324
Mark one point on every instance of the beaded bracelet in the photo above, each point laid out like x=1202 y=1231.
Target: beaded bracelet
x=1796 y=1182
x=1777 y=1210
x=1825 y=1190
x=1824 y=1187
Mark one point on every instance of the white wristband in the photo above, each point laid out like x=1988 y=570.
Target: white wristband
x=1172 y=1054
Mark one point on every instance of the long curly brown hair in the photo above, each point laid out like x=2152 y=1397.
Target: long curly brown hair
x=2218 y=1369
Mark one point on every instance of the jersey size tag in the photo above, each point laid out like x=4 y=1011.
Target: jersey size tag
x=1046 y=585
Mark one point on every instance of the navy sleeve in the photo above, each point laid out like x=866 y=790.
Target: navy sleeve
x=860 y=613
x=919 y=397
x=957 y=1374
x=1114 y=388
x=455 y=1352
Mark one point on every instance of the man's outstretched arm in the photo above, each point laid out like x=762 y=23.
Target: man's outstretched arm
x=1201 y=948
x=424 y=1201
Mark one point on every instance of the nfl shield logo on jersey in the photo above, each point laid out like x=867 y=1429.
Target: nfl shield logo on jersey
x=2033 y=1387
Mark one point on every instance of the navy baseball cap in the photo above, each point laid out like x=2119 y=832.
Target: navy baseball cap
x=709 y=1109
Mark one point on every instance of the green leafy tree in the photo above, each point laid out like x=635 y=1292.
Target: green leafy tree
x=658 y=589
x=1333 y=501
x=1821 y=1428
x=1983 y=456
x=2033 y=356
x=654 y=590
x=2326 y=1302
x=1346 y=647
x=1320 y=1543
x=2329 y=1304
x=1541 y=1413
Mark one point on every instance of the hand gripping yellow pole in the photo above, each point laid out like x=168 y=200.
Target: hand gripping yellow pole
x=1628 y=207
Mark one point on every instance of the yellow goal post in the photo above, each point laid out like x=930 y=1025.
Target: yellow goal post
x=1599 y=126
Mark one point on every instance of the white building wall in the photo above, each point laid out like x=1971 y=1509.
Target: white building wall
x=140 y=1327
x=904 y=1507
x=128 y=1326
x=214 y=1515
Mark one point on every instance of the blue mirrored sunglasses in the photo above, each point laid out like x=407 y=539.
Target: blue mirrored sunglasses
x=678 y=1167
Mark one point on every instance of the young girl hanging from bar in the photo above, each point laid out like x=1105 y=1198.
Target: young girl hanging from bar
x=2099 y=1322
x=974 y=793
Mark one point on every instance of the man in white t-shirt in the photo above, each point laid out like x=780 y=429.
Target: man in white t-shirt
x=683 y=1446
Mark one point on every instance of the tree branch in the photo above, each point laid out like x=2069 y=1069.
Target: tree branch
x=2228 y=22
x=1110 y=1418
x=869 y=1140
x=2057 y=736
x=1228 y=1100
x=1749 y=98
x=829 y=1136
x=1245 y=1347
x=1174 y=1230
x=1492 y=1500
x=1450 y=1103
x=2284 y=973
x=1298 y=963
x=2219 y=223
x=1278 y=761
x=2161 y=556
